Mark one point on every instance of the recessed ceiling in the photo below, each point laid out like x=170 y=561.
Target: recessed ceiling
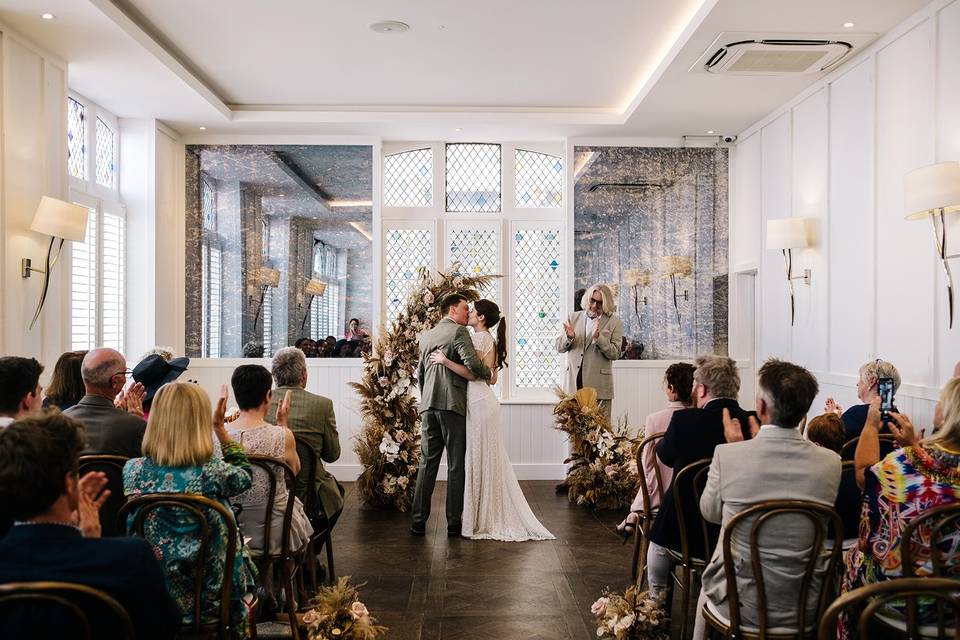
x=538 y=69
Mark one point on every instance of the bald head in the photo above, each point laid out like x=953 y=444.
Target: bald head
x=99 y=371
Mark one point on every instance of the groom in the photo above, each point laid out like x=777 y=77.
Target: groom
x=443 y=409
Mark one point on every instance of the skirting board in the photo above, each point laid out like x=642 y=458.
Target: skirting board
x=350 y=472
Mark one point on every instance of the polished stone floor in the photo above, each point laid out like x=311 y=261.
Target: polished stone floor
x=433 y=587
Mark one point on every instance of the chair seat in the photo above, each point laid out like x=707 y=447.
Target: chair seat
x=720 y=620
x=677 y=557
x=926 y=630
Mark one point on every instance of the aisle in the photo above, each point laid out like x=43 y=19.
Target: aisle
x=433 y=587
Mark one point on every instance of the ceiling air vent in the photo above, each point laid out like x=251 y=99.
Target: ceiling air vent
x=783 y=54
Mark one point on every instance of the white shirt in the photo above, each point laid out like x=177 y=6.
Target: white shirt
x=6 y=421
x=591 y=327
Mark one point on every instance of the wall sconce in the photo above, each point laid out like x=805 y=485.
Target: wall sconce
x=788 y=234
x=676 y=267
x=637 y=278
x=931 y=192
x=57 y=219
x=313 y=289
x=266 y=277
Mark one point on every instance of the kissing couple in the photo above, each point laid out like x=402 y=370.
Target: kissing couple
x=459 y=413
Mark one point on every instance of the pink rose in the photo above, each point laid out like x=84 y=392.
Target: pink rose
x=384 y=381
x=358 y=610
x=400 y=436
x=599 y=607
x=311 y=618
x=611 y=471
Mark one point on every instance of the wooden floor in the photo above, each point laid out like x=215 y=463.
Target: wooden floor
x=433 y=587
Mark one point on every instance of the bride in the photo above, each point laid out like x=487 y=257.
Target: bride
x=494 y=507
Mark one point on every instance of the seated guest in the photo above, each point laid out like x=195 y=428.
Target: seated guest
x=153 y=372
x=827 y=431
x=251 y=387
x=66 y=385
x=311 y=417
x=922 y=475
x=20 y=390
x=691 y=435
x=777 y=464
x=856 y=416
x=678 y=382
x=354 y=332
x=40 y=488
x=308 y=346
x=178 y=458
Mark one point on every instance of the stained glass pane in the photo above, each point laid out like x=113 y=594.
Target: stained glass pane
x=473 y=177
x=408 y=179
x=105 y=166
x=539 y=180
x=76 y=143
x=406 y=251
x=477 y=251
x=537 y=306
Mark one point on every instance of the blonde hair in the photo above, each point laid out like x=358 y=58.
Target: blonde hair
x=876 y=369
x=949 y=431
x=179 y=431
x=608 y=304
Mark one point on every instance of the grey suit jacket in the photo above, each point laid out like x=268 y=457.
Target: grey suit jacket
x=311 y=418
x=109 y=430
x=441 y=388
x=776 y=465
x=594 y=356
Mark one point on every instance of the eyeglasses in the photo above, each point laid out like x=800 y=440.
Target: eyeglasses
x=124 y=373
x=596 y=302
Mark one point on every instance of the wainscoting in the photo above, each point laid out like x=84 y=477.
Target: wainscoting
x=535 y=447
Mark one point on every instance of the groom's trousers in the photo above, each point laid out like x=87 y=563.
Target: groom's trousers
x=441 y=429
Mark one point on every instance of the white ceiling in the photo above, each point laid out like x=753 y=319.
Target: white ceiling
x=538 y=69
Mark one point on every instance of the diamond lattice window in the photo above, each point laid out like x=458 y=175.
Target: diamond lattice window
x=406 y=251
x=473 y=177
x=76 y=143
x=539 y=180
x=477 y=251
x=105 y=155
x=537 y=306
x=408 y=179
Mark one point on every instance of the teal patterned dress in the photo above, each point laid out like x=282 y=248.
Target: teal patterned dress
x=175 y=538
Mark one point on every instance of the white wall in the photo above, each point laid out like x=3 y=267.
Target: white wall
x=33 y=164
x=837 y=154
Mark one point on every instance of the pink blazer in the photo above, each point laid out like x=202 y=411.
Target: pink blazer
x=656 y=423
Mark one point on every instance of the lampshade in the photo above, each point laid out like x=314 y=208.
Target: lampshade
x=60 y=219
x=315 y=288
x=930 y=188
x=268 y=277
x=675 y=266
x=636 y=277
x=787 y=233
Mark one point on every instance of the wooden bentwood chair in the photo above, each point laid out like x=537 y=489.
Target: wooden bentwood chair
x=641 y=540
x=319 y=518
x=112 y=466
x=63 y=603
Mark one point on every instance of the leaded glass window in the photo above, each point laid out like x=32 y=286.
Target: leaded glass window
x=473 y=177
x=76 y=139
x=539 y=180
x=408 y=179
x=405 y=250
x=105 y=154
x=537 y=297
x=478 y=252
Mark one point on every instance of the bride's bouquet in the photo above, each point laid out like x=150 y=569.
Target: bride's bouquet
x=388 y=444
x=603 y=473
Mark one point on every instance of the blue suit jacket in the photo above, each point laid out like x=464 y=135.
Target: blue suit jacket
x=125 y=568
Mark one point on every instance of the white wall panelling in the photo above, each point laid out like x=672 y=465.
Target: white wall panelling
x=838 y=153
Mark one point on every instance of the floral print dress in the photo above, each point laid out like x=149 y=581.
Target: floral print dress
x=899 y=488
x=174 y=535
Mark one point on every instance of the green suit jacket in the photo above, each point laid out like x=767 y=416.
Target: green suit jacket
x=311 y=418
x=441 y=388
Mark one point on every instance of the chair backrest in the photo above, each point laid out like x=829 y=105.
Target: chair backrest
x=273 y=468
x=757 y=517
x=887 y=444
x=307 y=481
x=938 y=530
x=67 y=606
x=942 y=590
x=646 y=444
x=112 y=466
x=688 y=485
x=196 y=508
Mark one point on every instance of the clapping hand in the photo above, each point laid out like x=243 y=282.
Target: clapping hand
x=438 y=357
x=831 y=406
x=91 y=496
x=596 y=332
x=568 y=329
x=284 y=408
x=732 y=429
x=218 y=415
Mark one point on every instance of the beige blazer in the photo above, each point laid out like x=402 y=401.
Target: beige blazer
x=778 y=464
x=596 y=357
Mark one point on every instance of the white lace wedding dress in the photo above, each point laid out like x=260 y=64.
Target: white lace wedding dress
x=494 y=507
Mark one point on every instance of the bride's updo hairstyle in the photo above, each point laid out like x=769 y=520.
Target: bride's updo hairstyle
x=491 y=316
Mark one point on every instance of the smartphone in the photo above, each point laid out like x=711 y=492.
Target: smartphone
x=885 y=389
